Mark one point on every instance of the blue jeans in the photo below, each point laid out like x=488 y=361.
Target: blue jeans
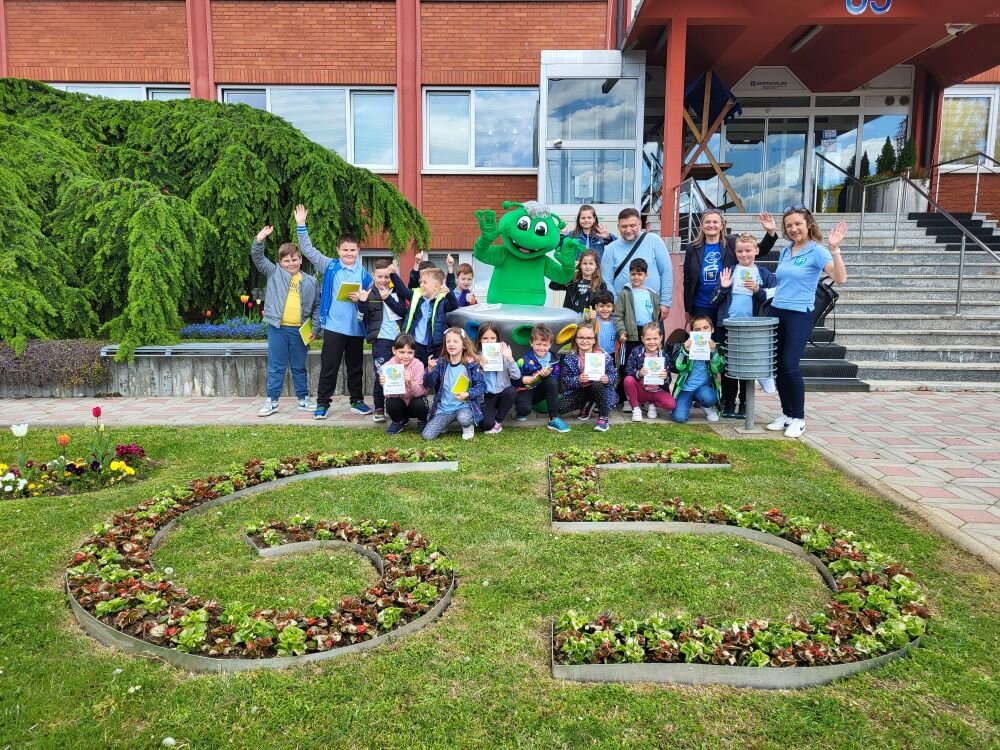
x=284 y=348
x=794 y=330
x=705 y=394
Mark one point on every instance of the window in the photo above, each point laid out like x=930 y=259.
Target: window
x=582 y=109
x=484 y=129
x=359 y=124
x=580 y=175
x=965 y=126
x=127 y=92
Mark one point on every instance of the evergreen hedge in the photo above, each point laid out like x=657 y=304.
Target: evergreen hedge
x=119 y=216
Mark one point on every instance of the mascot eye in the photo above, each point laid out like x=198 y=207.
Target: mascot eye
x=523 y=223
x=541 y=229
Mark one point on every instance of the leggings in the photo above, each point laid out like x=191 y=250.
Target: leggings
x=401 y=412
x=794 y=329
x=496 y=406
x=602 y=394
x=638 y=395
x=547 y=389
x=439 y=422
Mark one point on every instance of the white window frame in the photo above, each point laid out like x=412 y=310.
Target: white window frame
x=392 y=168
x=147 y=88
x=965 y=91
x=470 y=167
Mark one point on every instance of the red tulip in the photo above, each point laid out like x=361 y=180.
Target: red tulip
x=250 y=305
x=96 y=411
x=208 y=313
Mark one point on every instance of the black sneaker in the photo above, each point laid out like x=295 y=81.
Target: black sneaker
x=395 y=428
x=741 y=411
x=420 y=426
x=729 y=411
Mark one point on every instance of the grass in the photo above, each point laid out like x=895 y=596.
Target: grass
x=479 y=677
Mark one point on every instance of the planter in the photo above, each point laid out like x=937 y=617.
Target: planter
x=885 y=198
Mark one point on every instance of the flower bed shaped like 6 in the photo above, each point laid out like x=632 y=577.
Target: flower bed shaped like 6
x=878 y=612
x=120 y=599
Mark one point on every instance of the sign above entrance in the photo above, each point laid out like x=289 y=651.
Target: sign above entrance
x=769 y=79
x=857 y=7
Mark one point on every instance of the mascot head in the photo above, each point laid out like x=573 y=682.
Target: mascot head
x=530 y=230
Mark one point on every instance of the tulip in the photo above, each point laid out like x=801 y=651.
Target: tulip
x=19 y=430
x=244 y=298
x=208 y=313
x=63 y=440
x=96 y=411
x=250 y=305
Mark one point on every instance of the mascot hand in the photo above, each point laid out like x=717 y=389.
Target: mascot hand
x=488 y=224
x=568 y=252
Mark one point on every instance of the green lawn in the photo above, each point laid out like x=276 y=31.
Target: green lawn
x=479 y=677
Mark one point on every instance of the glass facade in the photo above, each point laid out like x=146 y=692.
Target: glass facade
x=583 y=109
x=590 y=176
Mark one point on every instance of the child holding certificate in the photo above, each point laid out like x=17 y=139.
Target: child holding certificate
x=698 y=378
x=402 y=380
x=588 y=375
x=499 y=369
x=647 y=375
x=458 y=381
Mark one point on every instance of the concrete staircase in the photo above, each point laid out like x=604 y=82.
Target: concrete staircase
x=895 y=320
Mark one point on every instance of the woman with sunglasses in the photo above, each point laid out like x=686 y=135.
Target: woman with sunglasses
x=799 y=268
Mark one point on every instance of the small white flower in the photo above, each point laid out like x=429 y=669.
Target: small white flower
x=134 y=689
x=19 y=430
x=117 y=671
x=486 y=583
x=168 y=571
x=168 y=742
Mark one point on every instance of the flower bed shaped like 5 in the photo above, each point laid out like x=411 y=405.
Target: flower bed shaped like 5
x=115 y=587
x=877 y=608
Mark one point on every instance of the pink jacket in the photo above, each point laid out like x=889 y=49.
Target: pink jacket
x=415 y=388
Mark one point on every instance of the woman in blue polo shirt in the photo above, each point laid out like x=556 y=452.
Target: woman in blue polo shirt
x=799 y=268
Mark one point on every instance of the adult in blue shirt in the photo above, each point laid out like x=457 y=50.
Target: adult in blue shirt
x=799 y=268
x=711 y=251
x=660 y=274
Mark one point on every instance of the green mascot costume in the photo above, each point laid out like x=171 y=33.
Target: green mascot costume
x=521 y=263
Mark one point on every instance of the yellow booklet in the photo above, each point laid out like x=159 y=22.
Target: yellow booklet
x=305 y=331
x=346 y=289
x=461 y=385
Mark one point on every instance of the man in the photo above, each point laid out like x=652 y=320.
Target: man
x=660 y=274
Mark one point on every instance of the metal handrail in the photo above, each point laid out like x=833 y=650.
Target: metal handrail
x=966 y=234
x=978 y=154
x=848 y=175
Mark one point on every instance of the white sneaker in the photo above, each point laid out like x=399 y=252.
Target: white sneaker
x=780 y=423
x=626 y=407
x=796 y=428
x=468 y=432
x=651 y=412
x=637 y=415
x=268 y=408
x=768 y=385
x=305 y=404
x=711 y=414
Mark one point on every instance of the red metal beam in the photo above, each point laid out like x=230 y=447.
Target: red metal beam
x=201 y=61
x=673 y=123
x=409 y=128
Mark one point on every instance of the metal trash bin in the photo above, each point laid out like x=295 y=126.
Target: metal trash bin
x=750 y=354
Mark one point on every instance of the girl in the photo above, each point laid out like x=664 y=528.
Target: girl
x=799 y=267
x=500 y=394
x=698 y=378
x=586 y=285
x=578 y=387
x=458 y=381
x=589 y=232
x=637 y=392
x=412 y=404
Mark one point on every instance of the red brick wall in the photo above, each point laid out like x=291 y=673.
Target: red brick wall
x=450 y=203
x=304 y=42
x=500 y=43
x=958 y=191
x=990 y=76
x=94 y=41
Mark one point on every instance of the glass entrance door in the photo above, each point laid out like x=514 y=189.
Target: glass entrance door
x=785 y=166
x=836 y=139
x=744 y=141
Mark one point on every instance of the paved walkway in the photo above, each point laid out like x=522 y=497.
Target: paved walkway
x=935 y=453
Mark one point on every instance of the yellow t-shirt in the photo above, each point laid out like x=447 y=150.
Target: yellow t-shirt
x=292 y=314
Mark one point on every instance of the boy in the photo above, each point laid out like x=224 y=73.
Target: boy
x=425 y=320
x=421 y=263
x=539 y=379
x=343 y=336
x=462 y=288
x=604 y=309
x=381 y=309
x=291 y=298
x=743 y=290
x=697 y=378
x=636 y=307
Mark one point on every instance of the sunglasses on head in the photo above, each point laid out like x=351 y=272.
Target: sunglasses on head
x=795 y=209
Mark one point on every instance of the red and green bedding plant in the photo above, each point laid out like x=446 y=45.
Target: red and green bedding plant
x=111 y=575
x=878 y=608
x=574 y=485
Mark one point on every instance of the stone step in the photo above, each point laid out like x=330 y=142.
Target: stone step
x=889 y=282
x=825 y=350
x=894 y=337
x=940 y=386
x=926 y=371
x=945 y=266
x=957 y=353
x=891 y=309
x=836 y=384
x=827 y=368
x=850 y=321
x=935 y=293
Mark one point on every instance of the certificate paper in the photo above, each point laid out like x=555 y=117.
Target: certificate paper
x=492 y=358
x=700 y=345
x=654 y=367
x=346 y=289
x=593 y=366
x=395 y=382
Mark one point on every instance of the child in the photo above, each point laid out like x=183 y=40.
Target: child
x=638 y=393
x=412 y=404
x=292 y=297
x=636 y=306
x=421 y=262
x=741 y=294
x=585 y=286
x=590 y=232
x=343 y=337
x=697 y=378
x=604 y=308
x=540 y=379
x=461 y=285
x=380 y=309
x=578 y=387
x=425 y=320
x=451 y=401
x=500 y=394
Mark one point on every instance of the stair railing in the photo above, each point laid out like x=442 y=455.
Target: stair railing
x=985 y=165
x=851 y=178
x=966 y=235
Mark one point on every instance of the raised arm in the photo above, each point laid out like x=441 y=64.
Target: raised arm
x=309 y=252
x=260 y=260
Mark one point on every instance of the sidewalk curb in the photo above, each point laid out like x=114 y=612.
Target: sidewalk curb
x=949 y=532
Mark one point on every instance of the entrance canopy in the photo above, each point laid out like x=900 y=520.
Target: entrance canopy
x=831 y=45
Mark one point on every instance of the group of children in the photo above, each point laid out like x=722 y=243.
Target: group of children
x=617 y=354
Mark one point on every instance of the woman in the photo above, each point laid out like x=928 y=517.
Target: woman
x=799 y=268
